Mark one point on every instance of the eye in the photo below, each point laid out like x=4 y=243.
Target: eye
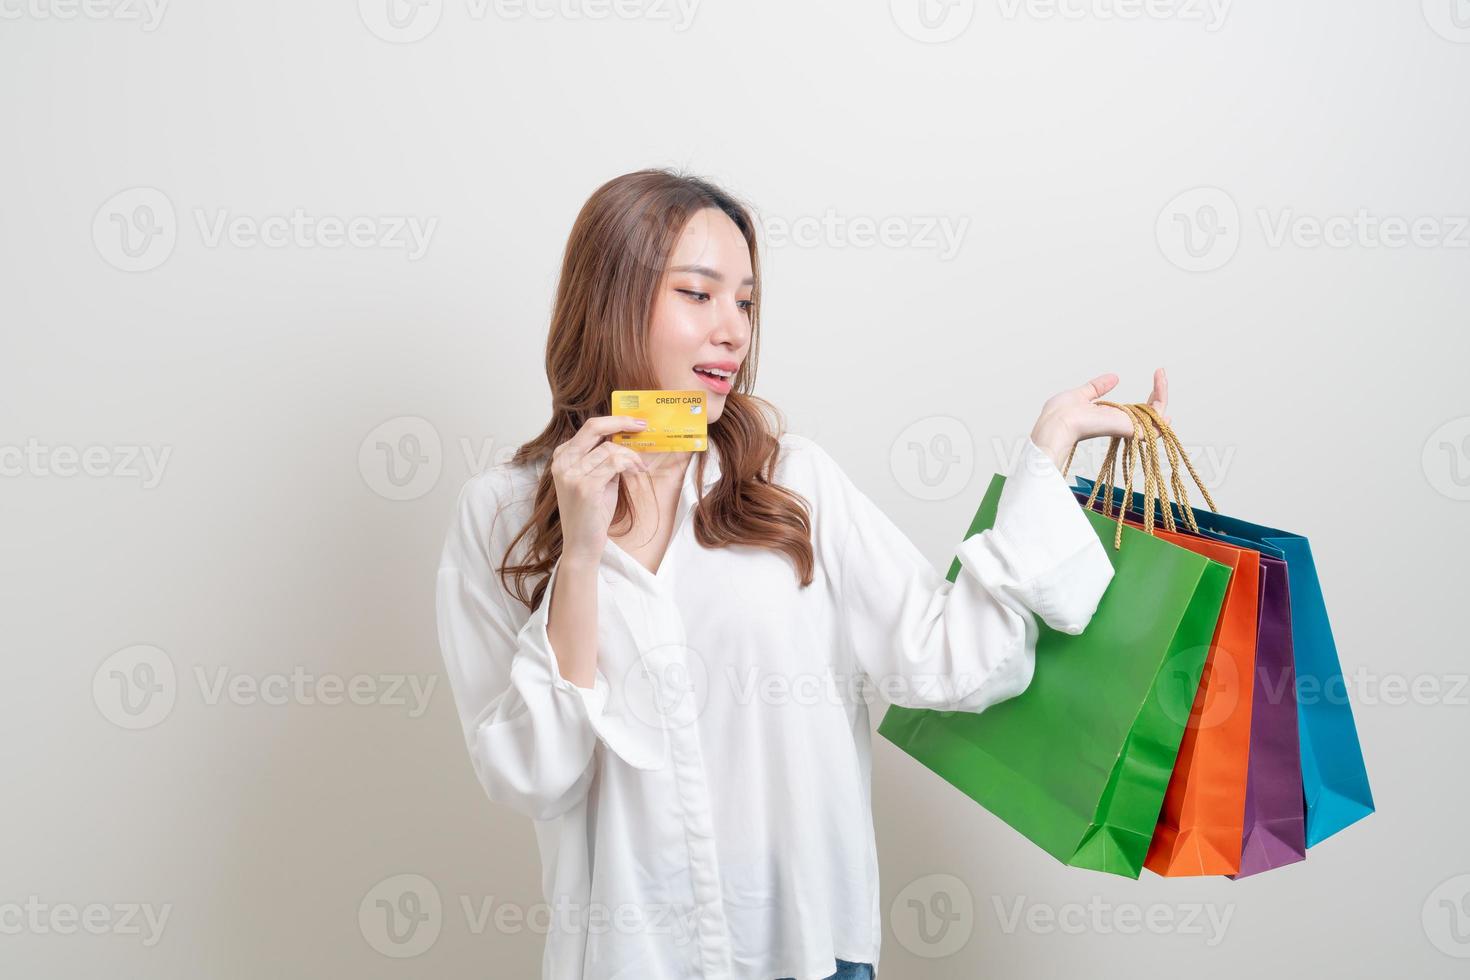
x=747 y=305
x=695 y=293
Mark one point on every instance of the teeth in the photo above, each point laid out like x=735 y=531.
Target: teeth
x=716 y=372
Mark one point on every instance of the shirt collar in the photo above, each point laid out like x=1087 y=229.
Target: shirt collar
x=688 y=498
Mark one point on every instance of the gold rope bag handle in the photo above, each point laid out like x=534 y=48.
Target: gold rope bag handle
x=1141 y=448
x=1138 y=450
x=1176 y=452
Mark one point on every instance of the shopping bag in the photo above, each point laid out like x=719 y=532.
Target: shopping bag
x=1201 y=826
x=1079 y=762
x=1275 y=821
x=1334 y=778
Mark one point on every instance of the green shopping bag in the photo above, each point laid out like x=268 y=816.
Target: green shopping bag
x=1079 y=761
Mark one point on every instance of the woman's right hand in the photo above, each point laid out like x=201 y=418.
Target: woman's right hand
x=585 y=470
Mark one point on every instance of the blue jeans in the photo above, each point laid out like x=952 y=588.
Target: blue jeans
x=847 y=970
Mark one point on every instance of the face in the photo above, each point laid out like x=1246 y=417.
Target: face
x=701 y=314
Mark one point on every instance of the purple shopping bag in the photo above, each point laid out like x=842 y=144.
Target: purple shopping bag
x=1275 y=815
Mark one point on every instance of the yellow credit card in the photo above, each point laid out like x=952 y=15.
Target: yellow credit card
x=676 y=421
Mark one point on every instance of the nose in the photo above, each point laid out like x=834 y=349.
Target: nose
x=732 y=329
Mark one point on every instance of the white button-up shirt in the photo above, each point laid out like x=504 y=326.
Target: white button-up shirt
x=705 y=811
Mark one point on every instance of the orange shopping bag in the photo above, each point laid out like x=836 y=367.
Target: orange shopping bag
x=1202 y=822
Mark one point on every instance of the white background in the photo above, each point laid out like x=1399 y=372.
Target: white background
x=1321 y=387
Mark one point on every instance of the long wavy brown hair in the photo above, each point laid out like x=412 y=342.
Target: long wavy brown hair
x=598 y=342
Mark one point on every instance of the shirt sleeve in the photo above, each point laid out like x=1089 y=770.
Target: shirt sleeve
x=531 y=732
x=965 y=645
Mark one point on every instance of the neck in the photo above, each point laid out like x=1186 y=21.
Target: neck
x=663 y=465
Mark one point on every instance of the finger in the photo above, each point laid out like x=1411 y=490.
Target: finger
x=597 y=428
x=637 y=459
x=603 y=452
x=1160 y=397
x=1105 y=420
x=1099 y=386
x=608 y=470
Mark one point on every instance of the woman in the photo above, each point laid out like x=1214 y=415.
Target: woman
x=666 y=662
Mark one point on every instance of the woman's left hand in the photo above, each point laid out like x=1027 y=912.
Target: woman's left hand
x=1070 y=417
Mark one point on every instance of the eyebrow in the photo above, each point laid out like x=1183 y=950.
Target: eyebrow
x=704 y=270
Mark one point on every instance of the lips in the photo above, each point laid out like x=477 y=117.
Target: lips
x=717 y=375
x=726 y=367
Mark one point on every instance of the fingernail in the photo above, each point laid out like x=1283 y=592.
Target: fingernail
x=641 y=422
